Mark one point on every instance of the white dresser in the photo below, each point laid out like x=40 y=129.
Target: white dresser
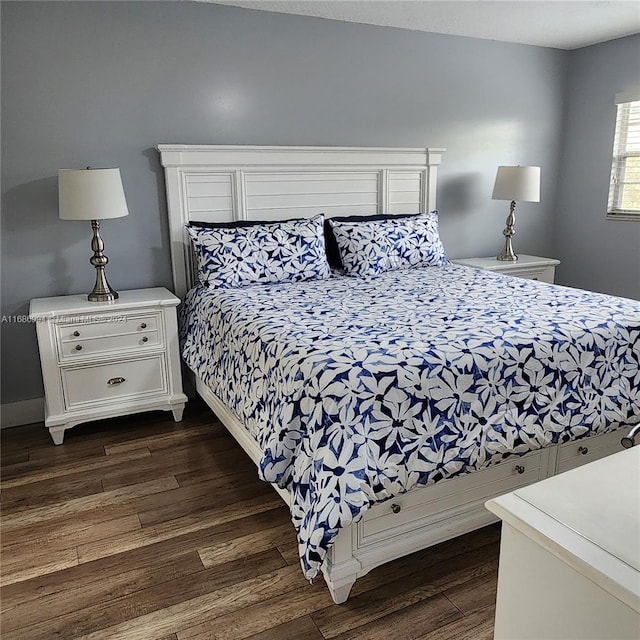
x=570 y=554
x=105 y=359
x=531 y=267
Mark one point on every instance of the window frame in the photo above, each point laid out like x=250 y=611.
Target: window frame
x=619 y=155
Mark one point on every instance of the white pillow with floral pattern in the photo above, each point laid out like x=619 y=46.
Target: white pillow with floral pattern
x=376 y=246
x=271 y=252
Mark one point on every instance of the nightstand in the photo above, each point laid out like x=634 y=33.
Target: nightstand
x=106 y=359
x=530 y=267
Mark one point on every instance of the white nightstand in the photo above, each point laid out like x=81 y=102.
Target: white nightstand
x=531 y=267
x=105 y=359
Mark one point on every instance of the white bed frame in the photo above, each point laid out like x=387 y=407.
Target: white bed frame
x=226 y=183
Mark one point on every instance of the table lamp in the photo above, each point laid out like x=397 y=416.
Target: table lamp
x=518 y=184
x=93 y=194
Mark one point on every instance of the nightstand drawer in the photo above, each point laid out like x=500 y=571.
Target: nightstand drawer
x=114 y=381
x=111 y=325
x=544 y=274
x=76 y=349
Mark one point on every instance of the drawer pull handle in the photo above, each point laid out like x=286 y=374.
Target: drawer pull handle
x=583 y=450
x=519 y=468
x=112 y=382
x=629 y=440
x=76 y=334
x=395 y=508
x=145 y=339
x=78 y=347
x=143 y=325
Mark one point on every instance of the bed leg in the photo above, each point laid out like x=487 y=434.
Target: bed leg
x=340 y=577
x=340 y=590
x=340 y=568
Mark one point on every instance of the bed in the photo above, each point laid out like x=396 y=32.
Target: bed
x=386 y=409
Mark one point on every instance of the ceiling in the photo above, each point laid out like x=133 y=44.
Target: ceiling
x=562 y=24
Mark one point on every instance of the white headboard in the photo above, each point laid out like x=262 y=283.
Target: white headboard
x=210 y=183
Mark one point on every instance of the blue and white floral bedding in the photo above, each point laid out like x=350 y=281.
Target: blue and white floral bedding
x=359 y=389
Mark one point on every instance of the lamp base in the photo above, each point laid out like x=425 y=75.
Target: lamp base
x=103 y=297
x=507 y=254
x=102 y=291
x=507 y=257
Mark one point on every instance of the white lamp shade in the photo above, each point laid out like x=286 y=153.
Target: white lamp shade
x=521 y=184
x=91 y=194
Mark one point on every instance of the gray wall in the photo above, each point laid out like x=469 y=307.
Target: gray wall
x=100 y=83
x=596 y=253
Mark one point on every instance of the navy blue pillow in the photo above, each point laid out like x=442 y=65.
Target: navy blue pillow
x=330 y=242
x=239 y=224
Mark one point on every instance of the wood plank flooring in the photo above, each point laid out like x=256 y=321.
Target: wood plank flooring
x=139 y=528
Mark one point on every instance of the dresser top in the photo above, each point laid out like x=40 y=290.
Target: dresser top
x=78 y=304
x=600 y=501
x=589 y=517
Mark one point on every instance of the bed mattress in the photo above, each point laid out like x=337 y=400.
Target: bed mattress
x=359 y=389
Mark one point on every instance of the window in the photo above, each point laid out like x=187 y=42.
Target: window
x=624 y=188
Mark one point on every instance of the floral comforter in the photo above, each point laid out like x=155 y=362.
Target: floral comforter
x=359 y=389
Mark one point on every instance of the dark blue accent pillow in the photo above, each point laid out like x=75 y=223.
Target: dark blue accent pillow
x=239 y=224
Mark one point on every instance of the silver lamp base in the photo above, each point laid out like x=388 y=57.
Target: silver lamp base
x=107 y=296
x=102 y=291
x=507 y=254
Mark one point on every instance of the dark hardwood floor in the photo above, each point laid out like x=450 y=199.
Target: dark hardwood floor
x=139 y=528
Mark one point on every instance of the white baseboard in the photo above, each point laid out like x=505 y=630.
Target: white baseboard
x=13 y=414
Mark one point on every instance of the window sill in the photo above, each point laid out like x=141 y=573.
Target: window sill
x=624 y=216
